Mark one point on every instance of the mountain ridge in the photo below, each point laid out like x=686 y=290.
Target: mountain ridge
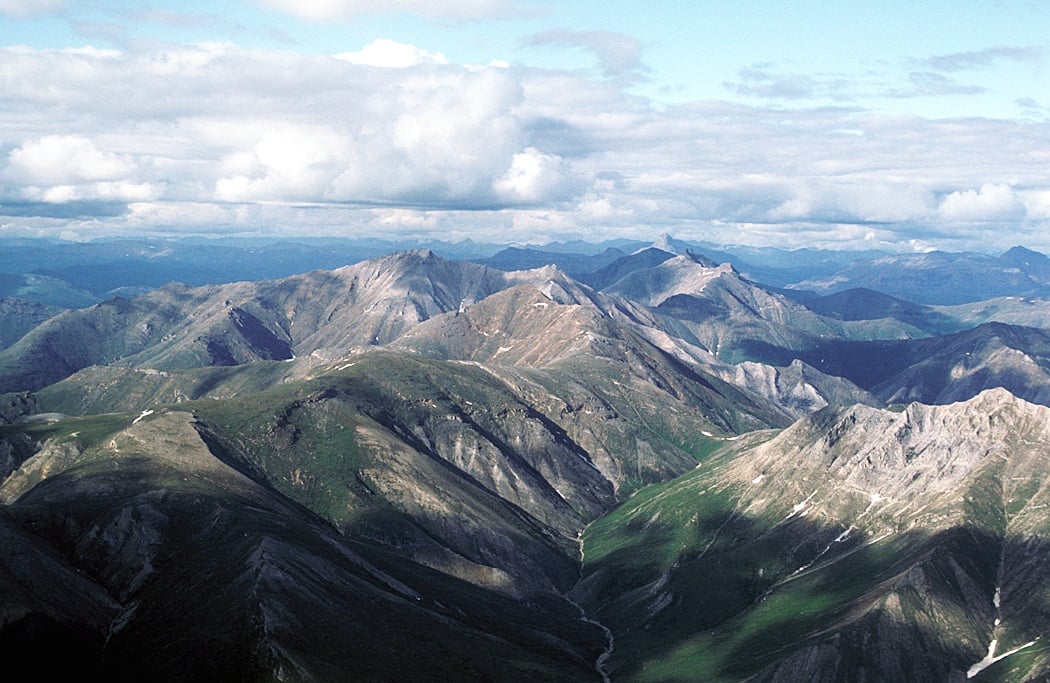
x=838 y=506
x=420 y=468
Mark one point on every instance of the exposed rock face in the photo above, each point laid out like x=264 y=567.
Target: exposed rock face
x=992 y=355
x=384 y=471
x=488 y=469
x=906 y=459
x=622 y=267
x=678 y=275
x=180 y=327
x=15 y=447
x=15 y=406
x=717 y=309
x=851 y=533
x=799 y=389
x=944 y=369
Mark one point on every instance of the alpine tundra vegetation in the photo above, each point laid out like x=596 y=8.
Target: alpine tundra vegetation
x=415 y=467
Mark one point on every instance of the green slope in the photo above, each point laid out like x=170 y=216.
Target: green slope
x=857 y=544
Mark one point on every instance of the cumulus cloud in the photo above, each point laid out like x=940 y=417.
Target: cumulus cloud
x=1037 y=204
x=58 y=169
x=991 y=202
x=291 y=163
x=65 y=159
x=326 y=10
x=214 y=137
x=388 y=53
x=535 y=178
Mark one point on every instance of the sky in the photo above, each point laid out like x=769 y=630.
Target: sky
x=889 y=125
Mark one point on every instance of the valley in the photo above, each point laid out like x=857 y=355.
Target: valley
x=638 y=463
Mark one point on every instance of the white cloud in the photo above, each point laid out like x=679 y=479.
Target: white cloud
x=436 y=137
x=291 y=163
x=29 y=8
x=221 y=138
x=1037 y=204
x=325 y=10
x=990 y=203
x=58 y=169
x=388 y=53
x=65 y=159
x=57 y=194
x=535 y=177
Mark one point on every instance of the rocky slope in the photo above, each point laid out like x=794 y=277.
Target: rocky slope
x=141 y=553
x=944 y=369
x=181 y=327
x=832 y=545
x=714 y=307
x=798 y=389
x=384 y=471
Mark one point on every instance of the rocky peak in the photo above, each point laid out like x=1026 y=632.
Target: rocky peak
x=904 y=456
x=667 y=243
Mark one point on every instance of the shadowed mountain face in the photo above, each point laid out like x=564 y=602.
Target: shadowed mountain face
x=945 y=369
x=867 y=304
x=151 y=557
x=421 y=469
x=817 y=554
x=18 y=316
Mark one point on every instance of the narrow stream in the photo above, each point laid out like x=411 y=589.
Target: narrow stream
x=610 y=641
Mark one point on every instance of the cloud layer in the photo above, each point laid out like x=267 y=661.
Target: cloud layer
x=325 y=10
x=394 y=139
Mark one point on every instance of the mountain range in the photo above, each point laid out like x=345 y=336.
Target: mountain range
x=636 y=463
x=77 y=274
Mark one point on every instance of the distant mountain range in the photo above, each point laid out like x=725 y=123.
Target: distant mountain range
x=634 y=462
x=76 y=274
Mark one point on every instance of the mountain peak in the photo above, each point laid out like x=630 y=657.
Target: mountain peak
x=667 y=243
x=706 y=262
x=1023 y=256
x=413 y=255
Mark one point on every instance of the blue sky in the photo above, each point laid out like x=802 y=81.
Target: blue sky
x=897 y=125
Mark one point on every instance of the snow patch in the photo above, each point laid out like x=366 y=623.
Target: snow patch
x=992 y=658
x=799 y=507
x=875 y=500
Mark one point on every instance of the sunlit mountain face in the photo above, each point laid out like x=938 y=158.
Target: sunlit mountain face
x=614 y=462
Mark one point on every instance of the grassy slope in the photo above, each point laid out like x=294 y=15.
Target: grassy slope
x=694 y=588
